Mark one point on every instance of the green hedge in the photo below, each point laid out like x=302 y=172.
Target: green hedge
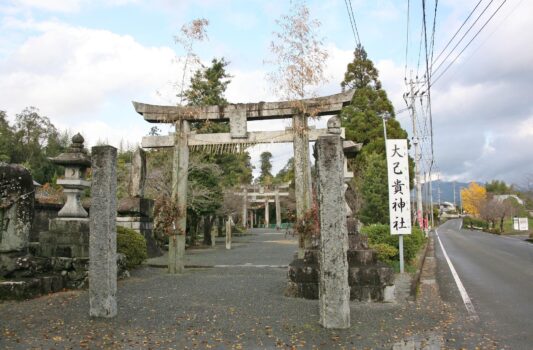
x=386 y=253
x=379 y=234
x=133 y=245
x=470 y=222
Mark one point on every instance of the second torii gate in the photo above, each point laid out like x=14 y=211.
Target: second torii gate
x=252 y=196
x=238 y=137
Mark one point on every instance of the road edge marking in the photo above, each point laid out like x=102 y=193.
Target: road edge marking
x=466 y=299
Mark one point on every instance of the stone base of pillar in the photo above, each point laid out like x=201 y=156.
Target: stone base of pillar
x=369 y=279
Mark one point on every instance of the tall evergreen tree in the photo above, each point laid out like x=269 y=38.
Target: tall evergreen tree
x=363 y=122
x=208 y=85
x=265 y=178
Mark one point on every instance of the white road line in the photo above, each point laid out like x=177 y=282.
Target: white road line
x=259 y=266
x=466 y=299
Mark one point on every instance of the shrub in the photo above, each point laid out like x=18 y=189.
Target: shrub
x=380 y=234
x=471 y=222
x=133 y=245
x=386 y=253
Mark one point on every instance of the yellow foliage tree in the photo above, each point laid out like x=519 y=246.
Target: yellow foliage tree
x=473 y=198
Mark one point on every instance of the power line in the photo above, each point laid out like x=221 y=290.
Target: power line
x=349 y=9
x=472 y=53
x=433 y=31
x=457 y=32
x=354 y=23
x=474 y=37
x=428 y=74
x=464 y=35
x=407 y=39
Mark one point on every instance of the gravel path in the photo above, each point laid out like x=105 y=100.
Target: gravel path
x=217 y=308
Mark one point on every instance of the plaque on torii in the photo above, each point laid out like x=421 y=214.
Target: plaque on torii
x=238 y=115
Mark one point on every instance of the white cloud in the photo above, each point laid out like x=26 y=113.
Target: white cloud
x=63 y=6
x=81 y=77
x=51 y=5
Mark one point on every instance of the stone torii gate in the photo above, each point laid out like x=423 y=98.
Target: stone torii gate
x=273 y=196
x=238 y=138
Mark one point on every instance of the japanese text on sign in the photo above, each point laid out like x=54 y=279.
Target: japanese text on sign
x=399 y=193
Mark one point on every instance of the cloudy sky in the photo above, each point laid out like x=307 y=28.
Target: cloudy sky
x=82 y=62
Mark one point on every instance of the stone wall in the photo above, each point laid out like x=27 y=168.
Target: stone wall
x=16 y=214
x=44 y=212
x=34 y=276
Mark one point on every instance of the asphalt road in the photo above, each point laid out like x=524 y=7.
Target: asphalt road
x=497 y=274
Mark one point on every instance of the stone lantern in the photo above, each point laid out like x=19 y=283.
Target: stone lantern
x=76 y=161
x=68 y=234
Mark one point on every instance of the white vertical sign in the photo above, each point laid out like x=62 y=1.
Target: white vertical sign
x=399 y=192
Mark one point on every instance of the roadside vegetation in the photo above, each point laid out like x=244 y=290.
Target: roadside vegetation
x=493 y=207
x=386 y=245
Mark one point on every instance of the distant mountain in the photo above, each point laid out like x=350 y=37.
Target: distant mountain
x=446 y=190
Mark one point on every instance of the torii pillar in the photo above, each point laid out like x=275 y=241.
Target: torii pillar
x=180 y=170
x=302 y=174
x=267 y=213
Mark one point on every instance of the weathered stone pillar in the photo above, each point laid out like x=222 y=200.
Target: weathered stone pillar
x=103 y=235
x=252 y=215
x=228 y=232
x=278 y=210
x=176 y=245
x=245 y=207
x=138 y=174
x=302 y=172
x=267 y=213
x=334 y=291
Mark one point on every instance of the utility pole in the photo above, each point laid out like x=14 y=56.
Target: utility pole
x=431 y=200
x=416 y=142
x=454 y=204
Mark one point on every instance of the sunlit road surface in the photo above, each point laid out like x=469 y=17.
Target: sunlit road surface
x=496 y=273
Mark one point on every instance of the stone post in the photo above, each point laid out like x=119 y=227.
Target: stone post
x=245 y=207
x=176 y=245
x=252 y=215
x=103 y=236
x=213 y=236
x=267 y=213
x=138 y=174
x=278 y=210
x=228 y=232
x=334 y=291
x=302 y=172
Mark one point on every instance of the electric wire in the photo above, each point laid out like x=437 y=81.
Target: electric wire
x=457 y=32
x=495 y=29
x=470 y=42
x=354 y=23
x=407 y=40
x=464 y=35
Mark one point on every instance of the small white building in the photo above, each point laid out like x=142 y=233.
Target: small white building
x=502 y=197
x=446 y=207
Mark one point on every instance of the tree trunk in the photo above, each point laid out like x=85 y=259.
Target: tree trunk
x=193 y=228
x=208 y=224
